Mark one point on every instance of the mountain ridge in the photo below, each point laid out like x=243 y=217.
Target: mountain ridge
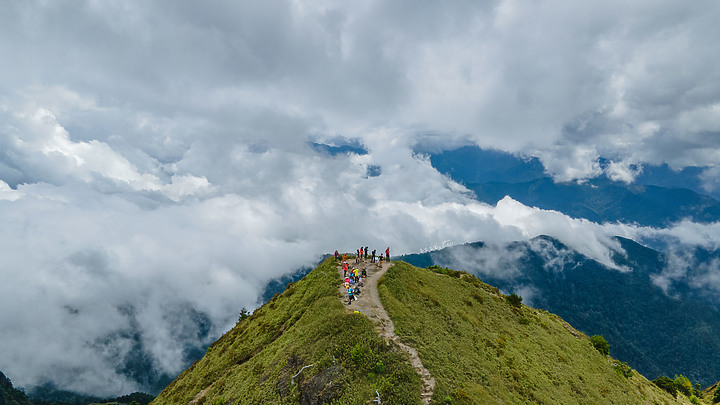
x=263 y=358
x=304 y=347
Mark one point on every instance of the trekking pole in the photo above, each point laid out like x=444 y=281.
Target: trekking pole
x=378 y=397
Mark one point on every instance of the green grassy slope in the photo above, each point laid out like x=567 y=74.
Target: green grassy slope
x=307 y=324
x=482 y=350
x=479 y=348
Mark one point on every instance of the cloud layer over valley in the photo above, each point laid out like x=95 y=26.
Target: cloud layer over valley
x=157 y=167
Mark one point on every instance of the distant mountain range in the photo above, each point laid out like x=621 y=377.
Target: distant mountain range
x=602 y=200
x=10 y=395
x=658 y=197
x=657 y=333
x=51 y=395
x=471 y=164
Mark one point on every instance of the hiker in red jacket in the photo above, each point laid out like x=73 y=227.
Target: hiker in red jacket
x=387 y=254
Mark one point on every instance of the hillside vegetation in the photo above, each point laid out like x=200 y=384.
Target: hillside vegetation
x=254 y=363
x=483 y=350
x=481 y=347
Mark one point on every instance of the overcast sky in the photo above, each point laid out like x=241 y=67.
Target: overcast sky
x=155 y=155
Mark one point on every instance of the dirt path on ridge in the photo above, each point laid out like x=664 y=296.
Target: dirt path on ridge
x=368 y=302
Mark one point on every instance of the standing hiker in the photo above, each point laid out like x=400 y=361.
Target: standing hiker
x=350 y=295
x=373 y=256
x=366 y=252
x=387 y=254
x=337 y=255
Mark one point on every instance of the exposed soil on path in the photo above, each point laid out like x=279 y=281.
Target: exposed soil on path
x=368 y=302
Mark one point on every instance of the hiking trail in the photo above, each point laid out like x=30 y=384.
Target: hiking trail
x=368 y=302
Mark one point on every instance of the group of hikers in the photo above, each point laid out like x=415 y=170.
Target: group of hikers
x=355 y=278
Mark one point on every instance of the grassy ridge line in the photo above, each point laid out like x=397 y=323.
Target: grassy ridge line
x=482 y=350
x=255 y=361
